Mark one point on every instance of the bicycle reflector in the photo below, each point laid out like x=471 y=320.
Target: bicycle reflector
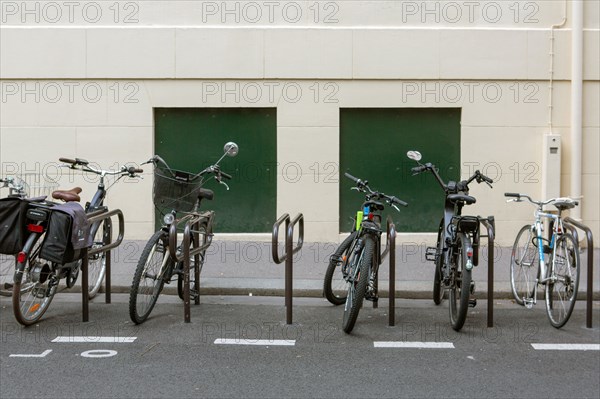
x=370 y=215
x=21 y=257
x=35 y=228
x=470 y=252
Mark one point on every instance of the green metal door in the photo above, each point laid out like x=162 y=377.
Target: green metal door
x=373 y=146
x=190 y=139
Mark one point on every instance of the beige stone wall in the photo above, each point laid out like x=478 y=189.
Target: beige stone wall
x=87 y=89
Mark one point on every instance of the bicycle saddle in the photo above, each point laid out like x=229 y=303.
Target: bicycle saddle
x=206 y=193
x=467 y=199
x=68 y=195
x=563 y=204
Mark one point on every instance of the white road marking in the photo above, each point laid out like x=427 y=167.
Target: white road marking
x=566 y=347
x=423 y=345
x=260 y=342
x=43 y=354
x=98 y=353
x=91 y=340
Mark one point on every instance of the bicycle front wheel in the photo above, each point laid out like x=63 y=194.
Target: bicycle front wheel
x=358 y=284
x=97 y=262
x=148 y=279
x=335 y=286
x=438 y=290
x=35 y=284
x=460 y=283
x=524 y=266
x=561 y=289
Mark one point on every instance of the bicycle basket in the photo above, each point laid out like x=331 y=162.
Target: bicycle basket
x=174 y=189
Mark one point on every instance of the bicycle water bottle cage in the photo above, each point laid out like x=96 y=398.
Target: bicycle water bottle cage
x=466 y=199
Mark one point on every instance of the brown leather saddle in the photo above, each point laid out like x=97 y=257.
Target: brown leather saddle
x=68 y=195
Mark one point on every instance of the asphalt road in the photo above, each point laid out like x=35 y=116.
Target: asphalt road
x=241 y=347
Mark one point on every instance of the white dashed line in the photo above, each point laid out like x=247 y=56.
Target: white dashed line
x=92 y=340
x=43 y=354
x=566 y=347
x=259 y=342
x=422 y=345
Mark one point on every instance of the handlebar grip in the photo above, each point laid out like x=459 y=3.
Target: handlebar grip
x=398 y=201
x=67 y=160
x=132 y=169
x=487 y=179
x=419 y=169
x=514 y=195
x=226 y=175
x=349 y=176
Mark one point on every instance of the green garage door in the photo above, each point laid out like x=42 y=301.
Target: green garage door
x=373 y=146
x=192 y=138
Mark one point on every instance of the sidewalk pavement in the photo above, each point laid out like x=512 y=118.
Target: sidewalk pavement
x=247 y=267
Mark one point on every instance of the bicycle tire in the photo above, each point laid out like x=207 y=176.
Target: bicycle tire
x=195 y=270
x=524 y=266
x=357 y=290
x=97 y=262
x=565 y=267
x=460 y=289
x=35 y=284
x=146 y=287
x=7 y=273
x=438 y=291
x=337 y=295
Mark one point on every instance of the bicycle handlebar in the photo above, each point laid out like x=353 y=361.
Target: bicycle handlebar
x=85 y=166
x=518 y=197
x=363 y=186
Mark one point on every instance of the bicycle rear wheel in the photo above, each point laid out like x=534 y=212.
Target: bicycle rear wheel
x=358 y=284
x=524 y=266
x=335 y=286
x=561 y=290
x=7 y=273
x=148 y=280
x=35 y=284
x=461 y=283
x=195 y=269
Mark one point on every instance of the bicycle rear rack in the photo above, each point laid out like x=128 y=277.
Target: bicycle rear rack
x=94 y=217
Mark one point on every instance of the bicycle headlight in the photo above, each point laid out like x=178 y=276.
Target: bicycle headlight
x=169 y=218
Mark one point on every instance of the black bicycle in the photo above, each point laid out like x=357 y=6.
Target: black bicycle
x=352 y=272
x=19 y=187
x=176 y=192
x=457 y=248
x=37 y=276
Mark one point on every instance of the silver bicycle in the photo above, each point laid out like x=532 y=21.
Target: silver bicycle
x=550 y=262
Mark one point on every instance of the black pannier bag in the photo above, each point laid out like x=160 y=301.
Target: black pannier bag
x=12 y=225
x=67 y=234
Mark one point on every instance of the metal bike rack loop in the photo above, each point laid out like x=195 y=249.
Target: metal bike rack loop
x=490 y=225
x=390 y=250
x=573 y=224
x=288 y=254
x=192 y=225
x=92 y=218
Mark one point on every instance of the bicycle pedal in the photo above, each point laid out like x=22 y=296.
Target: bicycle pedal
x=472 y=302
x=431 y=254
x=369 y=296
x=528 y=302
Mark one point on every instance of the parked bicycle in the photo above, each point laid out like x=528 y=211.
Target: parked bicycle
x=177 y=192
x=553 y=263
x=37 y=277
x=352 y=272
x=457 y=247
x=21 y=187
